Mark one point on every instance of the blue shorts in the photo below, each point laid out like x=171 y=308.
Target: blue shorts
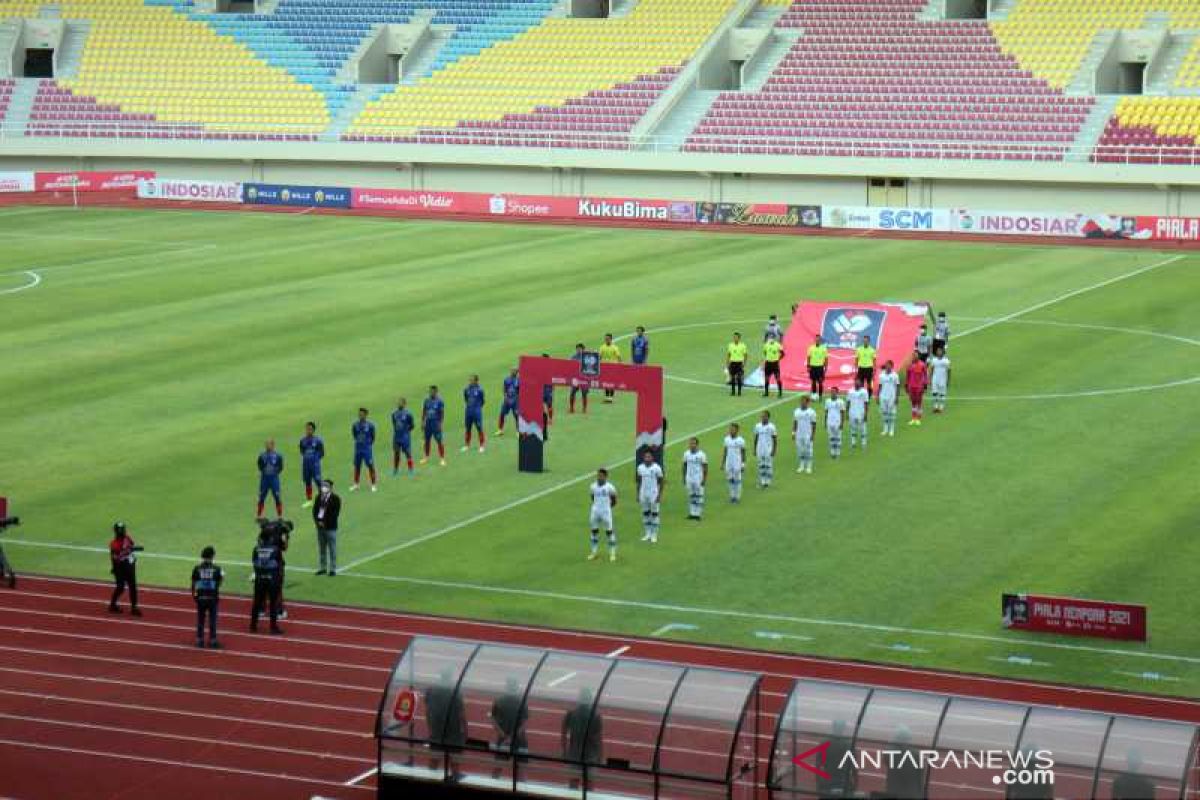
x=311 y=471
x=268 y=483
x=432 y=434
x=474 y=419
x=402 y=445
x=508 y=408
x=362 y=457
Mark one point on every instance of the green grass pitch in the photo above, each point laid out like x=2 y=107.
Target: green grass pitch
x=141 y=376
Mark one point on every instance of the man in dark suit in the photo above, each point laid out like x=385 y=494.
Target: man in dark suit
x=325 y=514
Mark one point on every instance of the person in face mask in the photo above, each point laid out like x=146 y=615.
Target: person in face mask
x=325 y=515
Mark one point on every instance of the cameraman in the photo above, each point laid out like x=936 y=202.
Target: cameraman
x=279 y=532
x=121 y=551
x=268 y=578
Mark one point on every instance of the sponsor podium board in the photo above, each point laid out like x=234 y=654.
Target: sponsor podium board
x=542 y=375
x=1073 y=616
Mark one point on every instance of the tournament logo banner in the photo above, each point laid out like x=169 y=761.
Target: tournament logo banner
x=1067 y=224
x=893 y=328
x=1073 y=616
x=884 y=218
x=272 y=194
x=1174 y=229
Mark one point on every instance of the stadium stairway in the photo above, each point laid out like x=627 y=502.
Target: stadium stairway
x=1168 y=67
x=683 y=118
x=1083 y=81
x=9 y=30
x=20 y=103
x=1093 y=128
x=70 y=51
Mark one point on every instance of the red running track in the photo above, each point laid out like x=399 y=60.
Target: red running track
x=97 y=706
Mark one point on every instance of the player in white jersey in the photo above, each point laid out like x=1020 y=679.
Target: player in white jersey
x=733 y=461
x=695 y=475
x=766 y=441
x=604 y=500
x=889 y=394
x=939 y=380
x=858 y=399
x=650 y=488
x=835 y=415
x=804 y=430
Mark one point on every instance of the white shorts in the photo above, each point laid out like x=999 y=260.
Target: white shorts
x=887 y=404
x=938 y=388
x=857 y=420
x=649 y=503
x=733 y=474
x=601 y=520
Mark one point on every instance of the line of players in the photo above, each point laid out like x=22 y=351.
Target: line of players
x=852 y=410
x=433 y=414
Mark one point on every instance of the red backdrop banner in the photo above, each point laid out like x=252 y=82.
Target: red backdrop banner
x=89 y=181
x=1073 y=616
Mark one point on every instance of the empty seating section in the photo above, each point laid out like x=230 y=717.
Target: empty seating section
x=1189 y=71
x=57 y=111
x=314 y=38
x=1051 y=37
x=1152 y=130
x=869 y=78
x=531 y=77
x=150 y=60
x=601 y=119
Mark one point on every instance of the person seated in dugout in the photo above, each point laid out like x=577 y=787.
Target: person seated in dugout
x=842 y=776
x=582 y=733
x=509 y=715
x=905 y=778
x=446 y=716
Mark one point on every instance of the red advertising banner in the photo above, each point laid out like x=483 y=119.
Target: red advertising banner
x=89 y=181
x=1178 y=229
x=1073 y=616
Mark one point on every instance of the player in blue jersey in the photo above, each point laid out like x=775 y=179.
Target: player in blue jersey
x=639 y=347
x=473 y=400
x=512 y=392
x=402 y=428
x=576 y=390
x=312 y=450
x=270 y=465
x=547 y=406
x=433 y=413
x=363 y=433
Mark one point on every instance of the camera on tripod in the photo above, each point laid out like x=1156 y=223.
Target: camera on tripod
x=276 y=530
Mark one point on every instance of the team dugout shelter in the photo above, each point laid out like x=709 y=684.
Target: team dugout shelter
x=464 y=719
x=1094 y=755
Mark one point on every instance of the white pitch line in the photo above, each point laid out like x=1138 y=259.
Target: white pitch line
x=362 y=777
x=396 y=548
x=1074 y=293
x=36 y=280
x=673 y=626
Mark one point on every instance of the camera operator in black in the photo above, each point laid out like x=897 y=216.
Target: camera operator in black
x=279 y=531
x=268 y=580
x=206 y=590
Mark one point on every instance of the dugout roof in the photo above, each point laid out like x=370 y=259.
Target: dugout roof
x=1095 y=755
x=587 y=726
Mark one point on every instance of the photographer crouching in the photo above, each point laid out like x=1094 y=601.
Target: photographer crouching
x=122 y=552
x=6 y=567
x=268 y=571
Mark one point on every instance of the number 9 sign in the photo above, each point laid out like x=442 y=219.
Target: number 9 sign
x=405 y=707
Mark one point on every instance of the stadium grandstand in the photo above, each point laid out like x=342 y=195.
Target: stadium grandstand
x=1047 y=80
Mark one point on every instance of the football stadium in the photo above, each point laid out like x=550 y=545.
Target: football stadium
x=615 y=399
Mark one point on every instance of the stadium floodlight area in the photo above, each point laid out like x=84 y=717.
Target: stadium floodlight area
x=462 y=719
x=851 y=740
x=538 y=373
